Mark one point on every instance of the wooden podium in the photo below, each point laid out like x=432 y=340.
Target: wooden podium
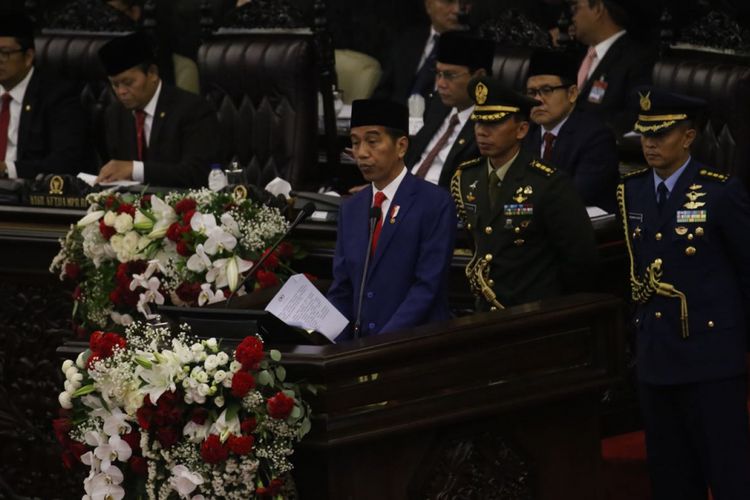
x=500 y=405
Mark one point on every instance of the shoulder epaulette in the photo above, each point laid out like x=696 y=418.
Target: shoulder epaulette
x=634 y=173
x=710 y=174
x=469 y=163
x=541 y=167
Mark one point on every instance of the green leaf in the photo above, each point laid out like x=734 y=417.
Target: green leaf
x=289 y=394
x=305 y=428
x=265 y=378
x=280 y=373
x=275 y=355
x=232 y=411
x=143 y=362
x=86 y=389
x=296 y=413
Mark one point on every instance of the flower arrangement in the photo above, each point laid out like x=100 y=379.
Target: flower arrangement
x=191 y=248
x=156 y=416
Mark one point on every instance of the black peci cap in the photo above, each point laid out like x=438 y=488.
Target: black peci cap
x=125 y=52
x=553 y=62
x=455 y=47
x=15 y=24
x=494 y=101
x=380 y=112
x=659 y=110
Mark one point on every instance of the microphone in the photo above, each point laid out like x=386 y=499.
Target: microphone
x=303 y=214
x=375 y=213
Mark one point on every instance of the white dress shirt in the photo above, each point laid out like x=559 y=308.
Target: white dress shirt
x=17 y=94
x=390 y=193
x=433 y=174
x=150 y=110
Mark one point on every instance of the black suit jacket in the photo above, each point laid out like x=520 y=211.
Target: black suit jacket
x=464 y=148
x=625 y=66
x=53 y=131
x=400 y=68
x=183 y=144
x=585 y=148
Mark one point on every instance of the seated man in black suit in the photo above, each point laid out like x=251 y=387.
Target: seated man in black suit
x=614 y=63
x=574 y=141
x=43 y=128
x=410 y=68
x=447 y=137
x=156 y=134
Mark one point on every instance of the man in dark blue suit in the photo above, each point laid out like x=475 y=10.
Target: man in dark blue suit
x=577 y=142
x=412 y=245
x=688 y=228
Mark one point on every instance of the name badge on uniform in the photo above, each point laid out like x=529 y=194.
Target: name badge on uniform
x=470 y=207
x=684 y=216
x=635 y=216
x=518 y=209
x=598 y=89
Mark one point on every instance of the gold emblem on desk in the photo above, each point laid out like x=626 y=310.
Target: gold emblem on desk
x=239 y=192
x=56 y=185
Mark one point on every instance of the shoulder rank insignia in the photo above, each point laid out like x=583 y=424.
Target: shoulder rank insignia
x=541 y=167
x=469 y=163
x=710 y=174
x=634 y=173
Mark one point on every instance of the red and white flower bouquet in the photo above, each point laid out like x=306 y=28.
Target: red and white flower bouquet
x=156 y=416
x=190 y=248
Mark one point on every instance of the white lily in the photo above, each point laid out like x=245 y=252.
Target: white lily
x=161 y=375
x=199 y=261
x=226 y=272
x=90 y=218
x=195 y=433
x=219 y=240
x=142 y=222
x=165 y=217
x=223 y=427
x=184 y=481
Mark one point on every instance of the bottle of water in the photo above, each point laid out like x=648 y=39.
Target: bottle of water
x=217 y=180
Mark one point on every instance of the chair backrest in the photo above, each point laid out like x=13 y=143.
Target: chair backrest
x=264 y=86
x=357 y=73
x=511 y=66
x=724 y=82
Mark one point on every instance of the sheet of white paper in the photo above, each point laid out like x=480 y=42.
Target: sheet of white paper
x=300 y=304
x=595 y=212
x=91 y=181
x=278 y=186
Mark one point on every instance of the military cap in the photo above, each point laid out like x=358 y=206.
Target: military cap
x=494 y=101
x=455 y=47
x=380 y=112
x=125 y=52
x=659 y=110
x=553 y=62
x=15 y=24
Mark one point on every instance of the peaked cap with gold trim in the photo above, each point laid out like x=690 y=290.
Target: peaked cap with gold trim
x=493 y=101
x=659 y=110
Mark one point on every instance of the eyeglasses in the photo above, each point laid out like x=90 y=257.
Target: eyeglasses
x=545 y=91
x=448 y=75
x=6 y=53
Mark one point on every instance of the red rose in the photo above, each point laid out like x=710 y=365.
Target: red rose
x=286 y=250
x=280 y=406
x=275 y=486
x=240 y=445
x=72 y=270
x=187 y=216
x=167 y=436
x=271 y=262
x=242 y=382
x=144 y=415
x=183 y=249
x=199 y=416
x=109 y=202
x=185 y=205
x=250 y=353
x=212 y=451
x=103 y=344
x=248 y=425
x=188 y=292
x=61 y=426
x=173 y=232
x=133 y=438
x=114 y=296
x=146 y=201
x=266 y=279
x=107 y=231
x=138 y=465
x=126 y=208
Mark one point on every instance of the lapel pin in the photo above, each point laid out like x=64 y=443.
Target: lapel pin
x=462 y=141
x=162 y=114
x=28 y=107
x=394 y=213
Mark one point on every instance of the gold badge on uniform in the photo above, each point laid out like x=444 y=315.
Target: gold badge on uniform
x=681 y=230
x=693 y=203
x=520 y=192
x=645 y=101
x=470 y=196
x=480 y=93
x=695 y=187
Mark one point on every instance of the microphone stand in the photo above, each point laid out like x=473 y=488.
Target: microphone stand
x=375 y=213
x=304 y=213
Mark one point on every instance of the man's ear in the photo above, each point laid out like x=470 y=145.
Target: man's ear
x=402 y=145
x=690 y=135
x=523 y=129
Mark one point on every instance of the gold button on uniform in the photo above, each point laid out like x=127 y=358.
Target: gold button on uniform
x=488 y=230
x=517 y=230
x=690 y=237
x=488 y=257
x=658 y=236
x=657 y=315
x=491 y=283
x=690 y=251
x=493 y=308
x=710 y=324
x=468 y=226
x=699 y=231
x=519 y=242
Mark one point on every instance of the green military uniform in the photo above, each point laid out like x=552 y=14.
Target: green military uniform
x=534 y=239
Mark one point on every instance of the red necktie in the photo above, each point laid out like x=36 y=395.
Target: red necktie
x=430 y=158
x=4 y=123
x=379 y=199
x=140 y=136
x=583 y=71
x=549 y=139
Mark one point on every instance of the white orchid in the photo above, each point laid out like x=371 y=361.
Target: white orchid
x=219 y=240
x=196 y=433
x=116 y=423
x=151 y=295
x=90 y=218
x=202 y=223
x=184 y=481
x=230 y=224
x=105 y=485
x=199 y=261
x=207 y=295
x=113 y=449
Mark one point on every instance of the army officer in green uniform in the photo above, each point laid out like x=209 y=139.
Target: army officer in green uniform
x=532 y=236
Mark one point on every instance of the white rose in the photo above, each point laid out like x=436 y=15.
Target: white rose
x=116 y=242
x=65 y=401
x=110 y=218
x=123 y=223
x=203 y=389
x=81 y=360
x=202 y=377
x=235 y=366
x=222 y=358
x=220 y=376
x=212 y=344
x=227 y=382
x=211 y=363
x=219 y=401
